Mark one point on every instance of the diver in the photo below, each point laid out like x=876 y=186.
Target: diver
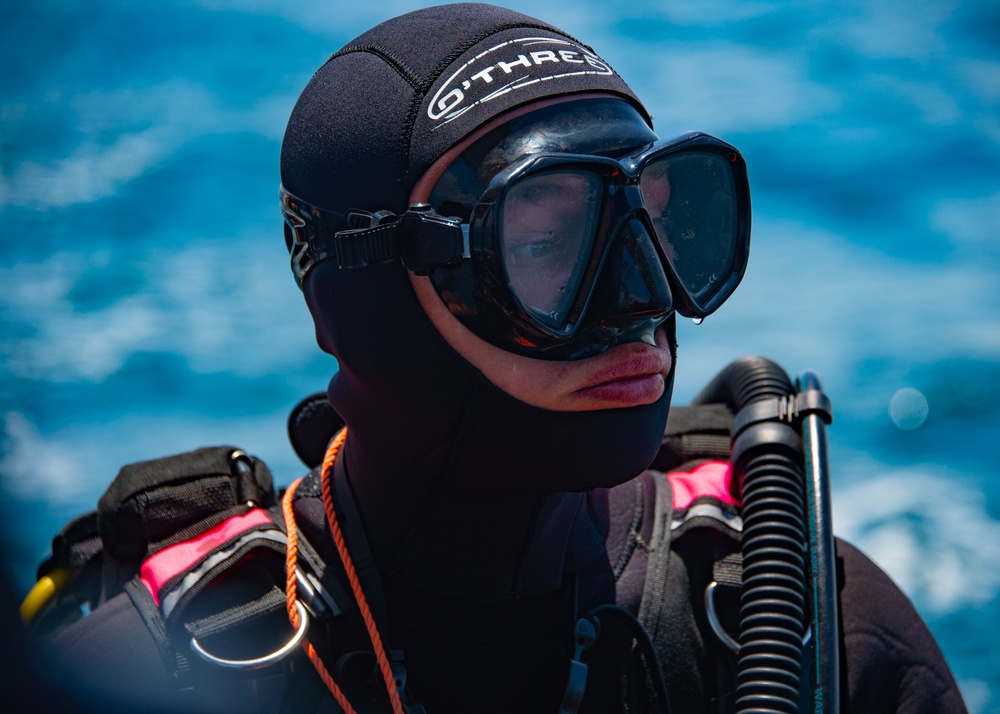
x=495 y=246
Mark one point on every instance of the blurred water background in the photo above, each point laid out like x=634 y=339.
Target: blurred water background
x=147 y=308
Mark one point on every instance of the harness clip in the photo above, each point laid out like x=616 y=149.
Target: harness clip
x=585 y=634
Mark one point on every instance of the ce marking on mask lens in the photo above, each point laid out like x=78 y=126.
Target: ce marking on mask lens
x=507 y=67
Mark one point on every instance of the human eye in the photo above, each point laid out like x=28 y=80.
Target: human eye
x=527 y=248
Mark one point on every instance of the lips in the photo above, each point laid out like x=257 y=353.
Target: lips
x=627 y=375
x=629 y=361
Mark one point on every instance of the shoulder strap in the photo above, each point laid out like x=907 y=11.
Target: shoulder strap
x=694 y=543
x=357 y=541
x=348 y=657
x=197 y=543
x=694 y=433
x=658 y=561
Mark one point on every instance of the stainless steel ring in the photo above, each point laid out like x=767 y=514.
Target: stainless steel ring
x=267 y=659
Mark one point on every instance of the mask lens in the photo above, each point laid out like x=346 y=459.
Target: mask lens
x=691 y=198
x=547 y=234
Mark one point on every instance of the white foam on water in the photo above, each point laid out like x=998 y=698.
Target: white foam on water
x=222 y=305
x=936 y=103
x=971 y=223
x=977 y=696
x=143 y=127
x=233 y=306
x=66 y=344
x=32 y=466
x=342 y=20
x=125 y=133
x=982 y=77
x=91 y=173
x=814 y=300
x=698 y=12
x=926 y=526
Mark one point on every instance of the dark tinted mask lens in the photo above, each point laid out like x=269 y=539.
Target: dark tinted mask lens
x=691 y=198
x=547 y=231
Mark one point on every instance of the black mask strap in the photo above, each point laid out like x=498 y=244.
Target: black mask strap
x=422 y=238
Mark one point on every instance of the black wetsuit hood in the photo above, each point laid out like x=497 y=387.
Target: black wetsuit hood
x=464 y=489
x=484 y=514
x=383 y=108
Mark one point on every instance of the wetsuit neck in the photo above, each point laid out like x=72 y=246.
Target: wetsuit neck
x=456 y=526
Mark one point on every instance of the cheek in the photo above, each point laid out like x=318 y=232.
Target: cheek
x=536 y=382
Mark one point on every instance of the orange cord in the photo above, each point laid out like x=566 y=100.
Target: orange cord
x=291 y=588
x=291 y=593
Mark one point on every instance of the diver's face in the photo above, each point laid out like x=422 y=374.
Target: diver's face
x=626 y=375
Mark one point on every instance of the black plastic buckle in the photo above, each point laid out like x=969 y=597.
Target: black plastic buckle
x=421 y=237
x=790 y=410
x=428 y=240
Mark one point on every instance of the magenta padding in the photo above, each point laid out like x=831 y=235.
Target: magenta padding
x=708 y=479
x=161 y=567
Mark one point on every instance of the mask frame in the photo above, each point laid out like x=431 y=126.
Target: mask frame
x=464 y=260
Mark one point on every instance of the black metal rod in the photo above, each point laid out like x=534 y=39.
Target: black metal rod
x=823 y=571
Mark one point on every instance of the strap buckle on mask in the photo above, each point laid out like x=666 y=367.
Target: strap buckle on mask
x=421 y=237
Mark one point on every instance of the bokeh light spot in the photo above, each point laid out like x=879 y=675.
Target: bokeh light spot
x=908 y=408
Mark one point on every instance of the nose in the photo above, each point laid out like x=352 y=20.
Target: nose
x=632 y=284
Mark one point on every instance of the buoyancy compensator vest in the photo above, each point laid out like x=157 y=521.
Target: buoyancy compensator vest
x=731 y=519
x=167 y=532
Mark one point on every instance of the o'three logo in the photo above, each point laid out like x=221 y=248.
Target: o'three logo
x=507 y=67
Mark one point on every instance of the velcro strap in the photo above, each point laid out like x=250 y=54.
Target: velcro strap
x=171 y=572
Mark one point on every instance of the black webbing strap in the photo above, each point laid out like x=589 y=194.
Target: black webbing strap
x=694 y=433
x=239 y=615
x=150 y=615
x=651 y=609
x=728 y=570
x=367 y=246
x=364 y=562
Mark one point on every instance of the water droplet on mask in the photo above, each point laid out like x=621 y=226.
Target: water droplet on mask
x=698 y=320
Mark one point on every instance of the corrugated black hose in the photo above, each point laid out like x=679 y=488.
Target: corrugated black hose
x=768 y=470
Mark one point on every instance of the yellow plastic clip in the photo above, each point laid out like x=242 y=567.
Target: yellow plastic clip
x=47 y=587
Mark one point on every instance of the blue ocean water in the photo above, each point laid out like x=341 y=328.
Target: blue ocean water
x=147 y=307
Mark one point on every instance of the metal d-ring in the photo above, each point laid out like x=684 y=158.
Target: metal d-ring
x=266 y=660
x=713 y=620
x=720 y=632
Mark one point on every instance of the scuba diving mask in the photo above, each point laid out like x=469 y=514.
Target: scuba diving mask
x=564 y=254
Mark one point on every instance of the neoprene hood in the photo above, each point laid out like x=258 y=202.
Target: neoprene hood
x=382 y=109
x=434 y=449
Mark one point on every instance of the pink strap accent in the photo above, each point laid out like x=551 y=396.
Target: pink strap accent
x=709 y=479
x=160 y=567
